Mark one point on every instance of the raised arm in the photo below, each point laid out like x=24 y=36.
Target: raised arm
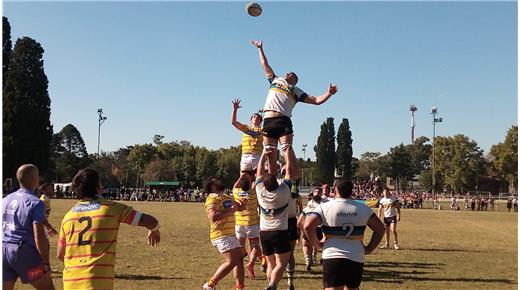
x=261 y=164
x=318 y=100
x=237 y=124
x=263 y=59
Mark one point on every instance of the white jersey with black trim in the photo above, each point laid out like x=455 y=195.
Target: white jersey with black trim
x=282 y=96
x=273 y=205
x=343 y=224
x=389 y=205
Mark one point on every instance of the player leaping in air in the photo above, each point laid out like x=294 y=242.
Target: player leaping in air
x=281 y=99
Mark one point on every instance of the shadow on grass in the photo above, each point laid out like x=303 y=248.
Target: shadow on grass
x=146 y=277
x=401 y=272
x=58 y=274
x=443 y=250
x=396 y=265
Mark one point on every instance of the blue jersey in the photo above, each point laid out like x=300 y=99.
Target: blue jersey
x=21 y=209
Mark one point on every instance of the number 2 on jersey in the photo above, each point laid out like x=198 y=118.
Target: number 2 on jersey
x=82 y=242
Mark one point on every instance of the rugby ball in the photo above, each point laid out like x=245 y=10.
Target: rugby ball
x=254 y=9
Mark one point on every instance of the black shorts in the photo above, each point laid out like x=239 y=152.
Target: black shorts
x=277 y=127
x=390 y=220
x=275 y=242
x=293 y=229
x=342 y=272
x=319 y=233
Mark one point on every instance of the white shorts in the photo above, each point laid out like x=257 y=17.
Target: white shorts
x=226 y=244
x=250 y=232
x=249 y=162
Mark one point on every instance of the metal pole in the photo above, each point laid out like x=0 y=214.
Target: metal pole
x=98 y=135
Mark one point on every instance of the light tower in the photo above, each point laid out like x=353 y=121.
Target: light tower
x=101 y=120
x=435 y=120
x=413 y=109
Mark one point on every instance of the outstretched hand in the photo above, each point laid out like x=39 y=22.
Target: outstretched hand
x=236 y=104
x=257 y=43
x=333 y=89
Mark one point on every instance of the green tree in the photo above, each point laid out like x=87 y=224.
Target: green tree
x=400 y=165
x=372 y=163
x=505 y=158
x=70 y=153
x=26 y=110
x=125 y=174
x=104 y=164
x=6 y=48
x=344 y=150
x=425 y=180
x=420 y=153
x=326 y=152
x=456 y=160
x=158 y=170
x=140 y=156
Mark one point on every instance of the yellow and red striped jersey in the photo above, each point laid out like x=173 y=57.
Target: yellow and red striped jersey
x=226 y=226
x=248 y=216
x=252 y=140
x=89 y=235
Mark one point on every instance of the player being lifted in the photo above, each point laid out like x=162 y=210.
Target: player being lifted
x=251 y=139
x=88 y=234
x=281 y=99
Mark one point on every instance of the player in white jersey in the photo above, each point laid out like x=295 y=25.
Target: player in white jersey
x=281 y=99
x=273 y=200
x=308 y=249
x=390 y=207
x=344 y=222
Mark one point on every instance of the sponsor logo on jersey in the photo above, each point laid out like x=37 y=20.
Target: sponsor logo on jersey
x=227 y=203
x=86 y=207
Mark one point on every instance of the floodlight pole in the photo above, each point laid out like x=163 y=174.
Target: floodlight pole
x=435 y=120
x=304 y=149
x=101 y=120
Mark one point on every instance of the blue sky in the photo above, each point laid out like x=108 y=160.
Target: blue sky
x=173 y=68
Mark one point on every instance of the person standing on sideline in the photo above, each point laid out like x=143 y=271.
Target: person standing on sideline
x=25 y=247
x=389 y=206
x=344 y=222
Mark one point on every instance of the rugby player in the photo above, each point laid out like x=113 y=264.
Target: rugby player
x=25 y=247
x=247 y=221
x=273 y=200
x=281 y=99
x=308 y=249
x=344 y=222
x=251 y=139
x=221 y=209
x=45 y=191
x=389 y=206
x=88 y=234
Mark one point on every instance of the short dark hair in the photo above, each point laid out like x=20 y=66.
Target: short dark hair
x=270 y=182
x=257 y=114
x=244 y=182
x=86 y=182
x=344 y=188
x=213 y=181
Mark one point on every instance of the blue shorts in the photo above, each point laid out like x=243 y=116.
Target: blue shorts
x=22 y=261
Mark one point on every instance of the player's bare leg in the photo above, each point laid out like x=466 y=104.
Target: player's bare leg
x=8 y=285
x=271 y=143
x=387 y=238
x=279 y=268
x=307 y=253
x=393 y=228
x=43 y=283
x=232 y=258
x=291 y=266
x=253 y=255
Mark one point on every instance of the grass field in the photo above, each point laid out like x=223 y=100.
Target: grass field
x=439 y=250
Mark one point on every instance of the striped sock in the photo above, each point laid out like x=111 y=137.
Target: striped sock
x=212 y=282
x=240 y=286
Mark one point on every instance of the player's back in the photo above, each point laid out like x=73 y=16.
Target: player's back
x=89 y=235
